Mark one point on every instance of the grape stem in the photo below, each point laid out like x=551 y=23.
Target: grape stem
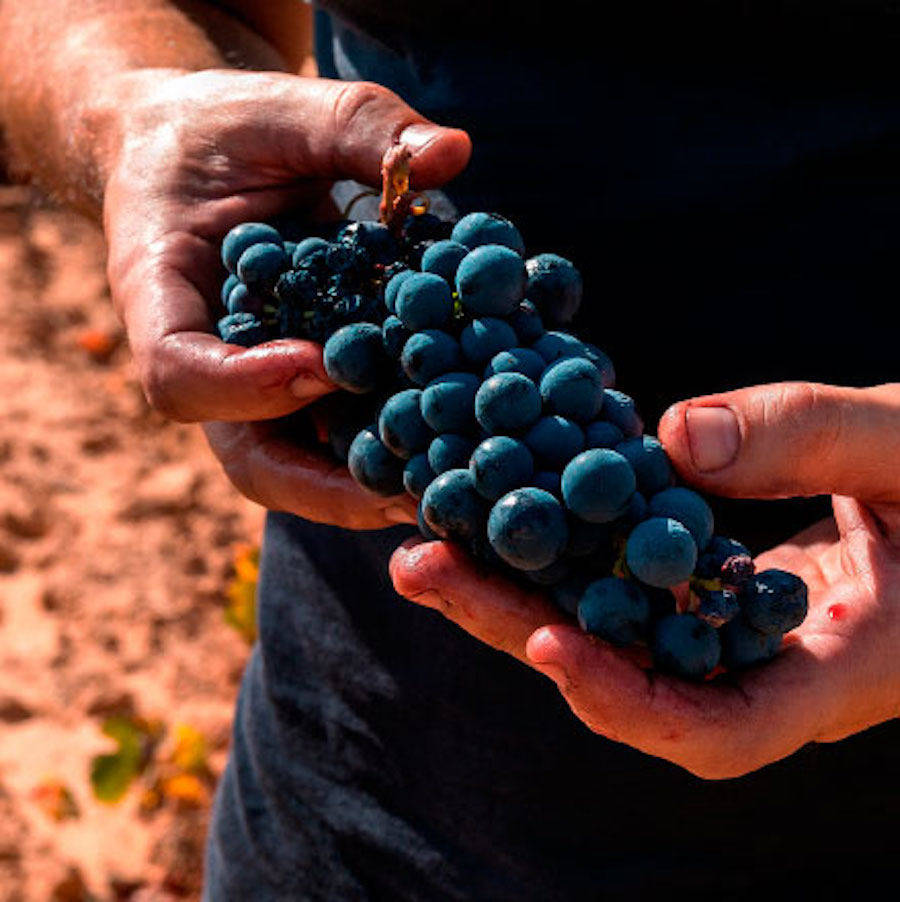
x=397 y=201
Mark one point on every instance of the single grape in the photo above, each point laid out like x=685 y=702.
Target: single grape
x=775 y=601
x=393 y=286
x=417 y=475
x=449 y=451
x=718 y=550
x=499 y=465
x=527 y=528
x=401 y=426
x=648 y=459
x=598 y=484
x=477 y=229
x=517 y=360
x=443 y=258
x=394 y=336
x=555 y=287
x=429 y=354
x=490 y=281
x=616 y=610
x=601 y=434
x=661 y=552
x=744 y=646
x=573 y=388
x=262 y=263
x=556 y=345
x=685 y=646
x=373 y=465
x=527 y=322
x=548 y=480
x=229 y=282
x=448 y=402
x=244 y=299
x=687 y=507
x=554 y=441
x=243 y=329
x=306 y=248
x=619 y=408
x=452 y=508
x=354 y=357
x=717 y=606
x=243 y=236
x=485 y=337
x=507 y=404
x=424 y=301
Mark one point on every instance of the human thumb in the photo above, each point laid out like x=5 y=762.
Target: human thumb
x=789 y=439
x=352 y=125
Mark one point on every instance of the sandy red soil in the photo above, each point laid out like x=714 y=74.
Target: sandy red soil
x=118 y=536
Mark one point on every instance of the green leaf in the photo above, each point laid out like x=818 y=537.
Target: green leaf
x=113 y=773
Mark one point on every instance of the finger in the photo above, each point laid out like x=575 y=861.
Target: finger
x=789 y=439
x=280 y=474
x=715 y=729
x=486 y=605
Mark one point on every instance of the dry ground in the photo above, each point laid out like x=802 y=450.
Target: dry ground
x=118 y=536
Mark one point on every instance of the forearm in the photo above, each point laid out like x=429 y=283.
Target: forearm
x=62 y=102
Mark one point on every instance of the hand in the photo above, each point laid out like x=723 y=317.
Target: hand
x=195 y=154
x=837 y=674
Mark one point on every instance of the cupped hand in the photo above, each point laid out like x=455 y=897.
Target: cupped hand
x=193 y=154
x=837 y=674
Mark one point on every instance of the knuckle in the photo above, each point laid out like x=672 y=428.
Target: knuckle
x=814 y=415
x=158 y=382
x=356 y=100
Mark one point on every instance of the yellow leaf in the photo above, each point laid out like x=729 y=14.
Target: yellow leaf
x=240 y=611
x=189 y=752
x=186 y=788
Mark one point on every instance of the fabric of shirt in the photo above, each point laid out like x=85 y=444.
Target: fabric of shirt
x=726 y=180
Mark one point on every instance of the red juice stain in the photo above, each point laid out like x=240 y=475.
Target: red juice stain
x=837 y=611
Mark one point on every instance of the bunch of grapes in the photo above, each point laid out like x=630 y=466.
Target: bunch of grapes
x=462 y=388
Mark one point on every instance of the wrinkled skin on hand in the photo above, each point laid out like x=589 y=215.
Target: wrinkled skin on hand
x=837 y=674
x=194 y=155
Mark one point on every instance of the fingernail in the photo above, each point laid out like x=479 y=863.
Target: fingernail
x=415 y=137
x=714 y=437
x=307 y=387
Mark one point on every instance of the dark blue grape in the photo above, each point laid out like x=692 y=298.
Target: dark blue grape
x=243 y=236
x=490 y=281
x=244 y=299
x=448 y=402
x=417 y=475
x=477 y=229
x=601 y=434
x=452 y=508
x=552 y=574
x=648 y=459
x=354 y=357
x=661 y=552
x=554 y=441
x=449 y=451
x=685 y=646
x=556 y=345
x=744 y=646
x=555 y=287
x=517 y=360
x=400 y=424
x=775 y=601
x=568 y=591
x=424 y=301
x=229 y=282
x=586 y=538
x=527 y=322
x=527 y=528
x=616 y=610
x=717 y=606
x=262 y=263
x=306 y=247
x=620 y=409
x=573 y=388
x=499 y=465
x=242 y=329
x=718 y=550
x=548 y=480
x=598 y=484
x=373 y=465
x=688 y=508
x=429 y=354
x=485 y=337
x=394 y=336
x=375 y=238
x=443 y=258
x=393 y=286
x=507 y=403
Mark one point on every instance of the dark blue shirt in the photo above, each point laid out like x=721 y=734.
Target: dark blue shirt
x=727 y=180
